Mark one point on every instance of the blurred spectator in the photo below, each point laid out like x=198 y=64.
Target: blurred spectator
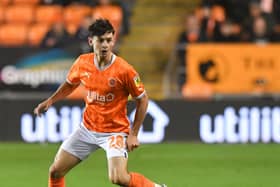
x=260 y=32
x=226 y=31
x=58 y=2
x=82 y=30
x=255 y=11
x=211 y=19
x=210 y=3
x=127 y=7
x=57 y=36
x=68 y=2
x=221 y=29
x=207 y=24
x=276 y=10
x=266 y=6
x=191 y=34
x=81 y=35
x=236 y=10
x=276 y=14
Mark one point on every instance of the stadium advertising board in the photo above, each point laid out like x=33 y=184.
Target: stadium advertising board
x=224 y=66
x=251 y=121
x=28 y=69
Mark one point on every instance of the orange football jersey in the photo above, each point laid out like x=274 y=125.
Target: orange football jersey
x=107 y=91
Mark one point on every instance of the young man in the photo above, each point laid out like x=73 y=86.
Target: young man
x=108 y=80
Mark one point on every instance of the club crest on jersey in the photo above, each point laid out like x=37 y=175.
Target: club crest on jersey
x=137 y=81
x=112 y=82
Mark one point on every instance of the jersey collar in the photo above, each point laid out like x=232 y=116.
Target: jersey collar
x=107 y=65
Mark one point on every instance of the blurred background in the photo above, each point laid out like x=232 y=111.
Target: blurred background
x=211 y=69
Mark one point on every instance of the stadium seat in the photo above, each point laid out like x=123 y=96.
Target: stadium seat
x=48 y=14
x=112 y=13
x=73 y=14
x=5 y=2
x=31 y=2
x=36 y=33
x=17 y=34
x=2 y=9
x=19 y=14
x=72 y=28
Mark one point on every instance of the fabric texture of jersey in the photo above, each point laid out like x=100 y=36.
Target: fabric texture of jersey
x=107 y=91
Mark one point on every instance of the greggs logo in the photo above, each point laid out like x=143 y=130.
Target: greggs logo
x=95 y=96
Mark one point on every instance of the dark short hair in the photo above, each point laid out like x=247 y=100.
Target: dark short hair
x=100 y=27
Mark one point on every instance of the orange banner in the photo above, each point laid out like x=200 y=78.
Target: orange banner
x=234 y=68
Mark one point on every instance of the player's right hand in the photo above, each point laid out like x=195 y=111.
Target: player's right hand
x=42 y=107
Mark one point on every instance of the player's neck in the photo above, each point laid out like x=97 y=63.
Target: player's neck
x=102 y=62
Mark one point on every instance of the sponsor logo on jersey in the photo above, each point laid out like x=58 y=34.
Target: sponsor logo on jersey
x=86 y=74
x=95 y=96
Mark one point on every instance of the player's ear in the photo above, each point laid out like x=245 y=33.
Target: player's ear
x=90 y=41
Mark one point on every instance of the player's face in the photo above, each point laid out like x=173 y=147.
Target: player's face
x=103 y=45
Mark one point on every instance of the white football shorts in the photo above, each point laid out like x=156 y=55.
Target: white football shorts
x=82 y=142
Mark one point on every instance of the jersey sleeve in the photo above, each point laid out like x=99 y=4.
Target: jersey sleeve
x=134 y=84
x=73 y=76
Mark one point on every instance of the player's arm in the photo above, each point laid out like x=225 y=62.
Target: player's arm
x=64 y=90
x=141 y=108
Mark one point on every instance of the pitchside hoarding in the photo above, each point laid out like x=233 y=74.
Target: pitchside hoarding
x=224 y=66
x=250 y=121
x=34 y=69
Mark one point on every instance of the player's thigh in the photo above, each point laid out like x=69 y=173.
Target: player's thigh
x=115 y=146
x=80 y=144
x=117 y=164
x=64 y=161
x=73 y=150
x=117 y=169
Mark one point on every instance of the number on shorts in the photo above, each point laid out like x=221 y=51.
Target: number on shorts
x=116 y=142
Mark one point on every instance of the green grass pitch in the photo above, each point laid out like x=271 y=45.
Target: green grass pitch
x=176 y=164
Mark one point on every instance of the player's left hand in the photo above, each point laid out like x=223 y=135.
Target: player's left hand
x=132 y=142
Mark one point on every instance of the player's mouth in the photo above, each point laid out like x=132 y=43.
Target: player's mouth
x=104 y=52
